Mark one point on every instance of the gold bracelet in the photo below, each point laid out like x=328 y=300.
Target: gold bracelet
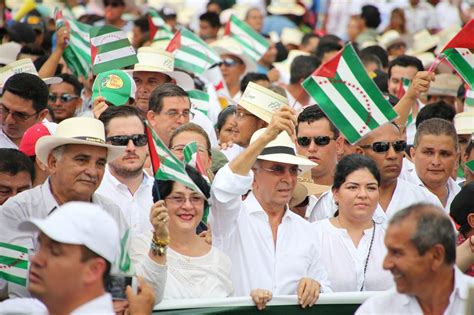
x=164 y=242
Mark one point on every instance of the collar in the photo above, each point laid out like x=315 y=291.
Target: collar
x=101 y=304
x=7 y=139
x=49 y=201
x=254 y=207
x=147 y=179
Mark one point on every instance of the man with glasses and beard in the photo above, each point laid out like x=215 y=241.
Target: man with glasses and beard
x=23 y=104
x=124 y=180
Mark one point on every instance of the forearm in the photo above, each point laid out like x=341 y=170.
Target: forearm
x=403 y=108
x=49 y=67
x=243 y=163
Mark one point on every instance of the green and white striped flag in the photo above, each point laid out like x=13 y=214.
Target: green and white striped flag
x=166 y=166
x=470 y=165
x=350 y=99
x=14 y=263
x=462 y=60
x=254 y=44
x=158 y=29
x=199 y=100
x=77 y=53
x=469 y=101
x=110 y=49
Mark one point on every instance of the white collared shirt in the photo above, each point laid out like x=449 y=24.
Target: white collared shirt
x=241 y=229
x=397 y=303
x=136 y=207
x=345 y=262
x=5 y=142
x=100 y=305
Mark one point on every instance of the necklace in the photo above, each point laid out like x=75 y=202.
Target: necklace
x=368 y=255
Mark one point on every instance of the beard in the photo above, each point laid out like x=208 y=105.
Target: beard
x=126 y=171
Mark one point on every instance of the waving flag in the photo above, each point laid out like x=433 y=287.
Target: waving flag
x=200 y=101
x=13 y=263
x=345 y=92
x=457 y=53
x=158 y=28
x=166 y=166
x=110 y=49
x=254 y=44
x=193 y=158
x=469 y=101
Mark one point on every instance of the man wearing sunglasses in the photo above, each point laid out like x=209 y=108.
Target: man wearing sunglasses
x=113 y=11
x=64 y=98
x=124 y=179
x=23 y=104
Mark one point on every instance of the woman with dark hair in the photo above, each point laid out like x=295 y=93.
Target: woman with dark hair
x=194 y=268
x=352 y=243
x=226 y=125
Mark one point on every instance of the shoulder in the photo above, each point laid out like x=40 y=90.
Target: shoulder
x=381 y=302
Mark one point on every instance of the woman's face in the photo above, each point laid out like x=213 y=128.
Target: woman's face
x=185 y=208
x=358 y=196
x=228 y=130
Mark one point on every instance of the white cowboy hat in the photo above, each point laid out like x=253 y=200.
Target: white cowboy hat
x=281 y=7
x=152 y=59
x=445 y=84
x=422 y=42
x=77 y=130
x=464 y=123
x=282 y=150
x=229 y=46
x=291 y=36
x=261 y=101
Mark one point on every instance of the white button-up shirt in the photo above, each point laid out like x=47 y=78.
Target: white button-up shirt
x=241 y=229
x=136 y=207
x=5 y=142
x=345 y=262
x=392 y=302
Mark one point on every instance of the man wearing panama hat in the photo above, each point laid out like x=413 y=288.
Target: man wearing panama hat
x=260 y=232
x=76 y=156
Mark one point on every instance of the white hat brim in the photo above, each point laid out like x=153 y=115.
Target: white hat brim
x=182 y=79
x=46 y=144
x=250 y=65
x=303 y=163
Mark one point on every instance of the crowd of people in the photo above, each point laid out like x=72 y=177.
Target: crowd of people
x=274 y=199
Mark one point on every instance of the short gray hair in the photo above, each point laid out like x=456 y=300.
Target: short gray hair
x=433 y=227
x=58 y=151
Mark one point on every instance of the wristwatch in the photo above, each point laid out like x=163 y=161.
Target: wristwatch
x=158 y=247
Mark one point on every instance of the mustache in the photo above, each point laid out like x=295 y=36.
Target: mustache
x=87 y=178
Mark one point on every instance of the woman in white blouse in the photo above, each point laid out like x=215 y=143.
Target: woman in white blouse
x=352 y=244
x=194 y=269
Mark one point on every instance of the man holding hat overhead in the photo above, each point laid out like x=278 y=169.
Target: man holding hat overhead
x=271 y=248
x=76 y=156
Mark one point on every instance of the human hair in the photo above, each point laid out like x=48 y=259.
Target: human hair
x=72 y=80
x=29 y=87
x=371 y=15
x=439 y=109
x=307 y=37
x=436 y=127
x=302 y=67
x=314 y=113
x=164 y=187
x=224 y=115
x=252 y=77
x=58 y=152
x=165 y=90
x=378 y=51
x=87 y=254
x=368 y=58
x=13 y=162
x=191 y=127
x=325 y=47
x=351 y=163
x=405 y=61
x=142 y=23
x=119 y=112
x=433 y=227
x=212 y=18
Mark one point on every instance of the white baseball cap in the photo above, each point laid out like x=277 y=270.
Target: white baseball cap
x=80 y=223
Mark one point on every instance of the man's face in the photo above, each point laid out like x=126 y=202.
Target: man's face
x=206 y=31
x=146 y=82
x=232 y=70
x=56 y=271
x=113 y=10
x=77 y=174
x=389 y=162
x=324 y=155
x=183 y=138
x=137 y=37
x=274 y=182
x=18 y=115
x=130 y=163
x=397 y=73
x=435 y=159
x=410 y=270
x=255 y=20
x=10 y=185
x=66 y=101
x=311 y=45
x=467 y=173
x=463 y=141
x=247 y=124
x=270 y=55
x=174 y=113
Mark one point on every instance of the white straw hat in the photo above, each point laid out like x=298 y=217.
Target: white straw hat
x=80 y=223
x=282 y=150
x=261 y=101
x=9 y=52
x=464 y=123
x=152 y=59
x=281 y=7
x=77 y=130
x=230 y=46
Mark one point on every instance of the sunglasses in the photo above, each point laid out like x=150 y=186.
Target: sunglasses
x=63 y=98
x=138 y=140
x=320 y=140
x=384 y=146
x=113 y=4
x=229 y=62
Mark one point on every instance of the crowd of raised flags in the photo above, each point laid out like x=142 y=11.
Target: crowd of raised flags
x=342 y=86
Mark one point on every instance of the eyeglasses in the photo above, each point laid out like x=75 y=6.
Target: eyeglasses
x=138 y=140
x=320 y=140
x=63 y=98
x=180 y=200
x=241 y=115
x=229 y=62
x=384 y=146
x=19 y=116
x=280 y=170
x=173 y=114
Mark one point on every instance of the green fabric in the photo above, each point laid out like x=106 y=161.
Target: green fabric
x=114 y=85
